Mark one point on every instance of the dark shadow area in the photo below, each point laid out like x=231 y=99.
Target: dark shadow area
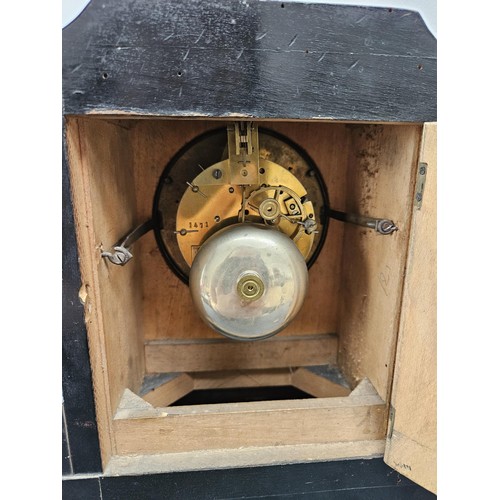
x=241 y=395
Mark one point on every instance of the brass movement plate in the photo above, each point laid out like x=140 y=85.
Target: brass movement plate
x=197 y=195
x=211 y=202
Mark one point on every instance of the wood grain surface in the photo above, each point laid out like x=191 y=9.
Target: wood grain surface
x=249 y=59
x=381 y=178
x=219 y=354
x=411 y=446
x=166 y=301
x=267 y=423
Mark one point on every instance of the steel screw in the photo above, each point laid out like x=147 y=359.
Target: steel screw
x=217 y=173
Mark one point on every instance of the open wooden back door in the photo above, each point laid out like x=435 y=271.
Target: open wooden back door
x=411 y=438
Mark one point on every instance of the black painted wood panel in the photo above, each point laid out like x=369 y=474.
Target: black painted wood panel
x=76 y=375
x=82 y=489
x=360 y=479
x=240 y=395
x=345 y=480
x=255 y=59
x=66 y=459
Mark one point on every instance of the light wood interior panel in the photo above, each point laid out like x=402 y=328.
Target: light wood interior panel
x=355 y=286
x=273 y=377
x=99 y=156
x=241 y=425
x=136 y=465
x=317 y=385
x=411 y=445
x=143 y=309
x=166 y=302
x=166 y=394
x=220 y=354
x=380 y=182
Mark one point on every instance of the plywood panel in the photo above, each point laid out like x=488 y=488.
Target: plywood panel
x=411 y=446
x=166 y=302
x=380 y=180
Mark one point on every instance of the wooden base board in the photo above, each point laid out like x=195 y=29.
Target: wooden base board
x=132 y=465
x=140 y=428
x=221 y=354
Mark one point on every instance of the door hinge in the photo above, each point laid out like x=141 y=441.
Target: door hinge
x=419 y=191
x=392 y=417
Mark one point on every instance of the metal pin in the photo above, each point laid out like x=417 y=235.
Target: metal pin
x=253 y=206
x=196 y=189
x=382 y=226
x=183 y=231
x=289 y=218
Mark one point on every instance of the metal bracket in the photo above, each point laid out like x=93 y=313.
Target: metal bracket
x=121 y=251
x=392 y=417
x=419 y=191
x=120 y=256
x=382 y=226
x=243 y=150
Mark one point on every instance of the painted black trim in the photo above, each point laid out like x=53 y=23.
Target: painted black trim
x=252 y=59
x=343 y=480
x=78 y=394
